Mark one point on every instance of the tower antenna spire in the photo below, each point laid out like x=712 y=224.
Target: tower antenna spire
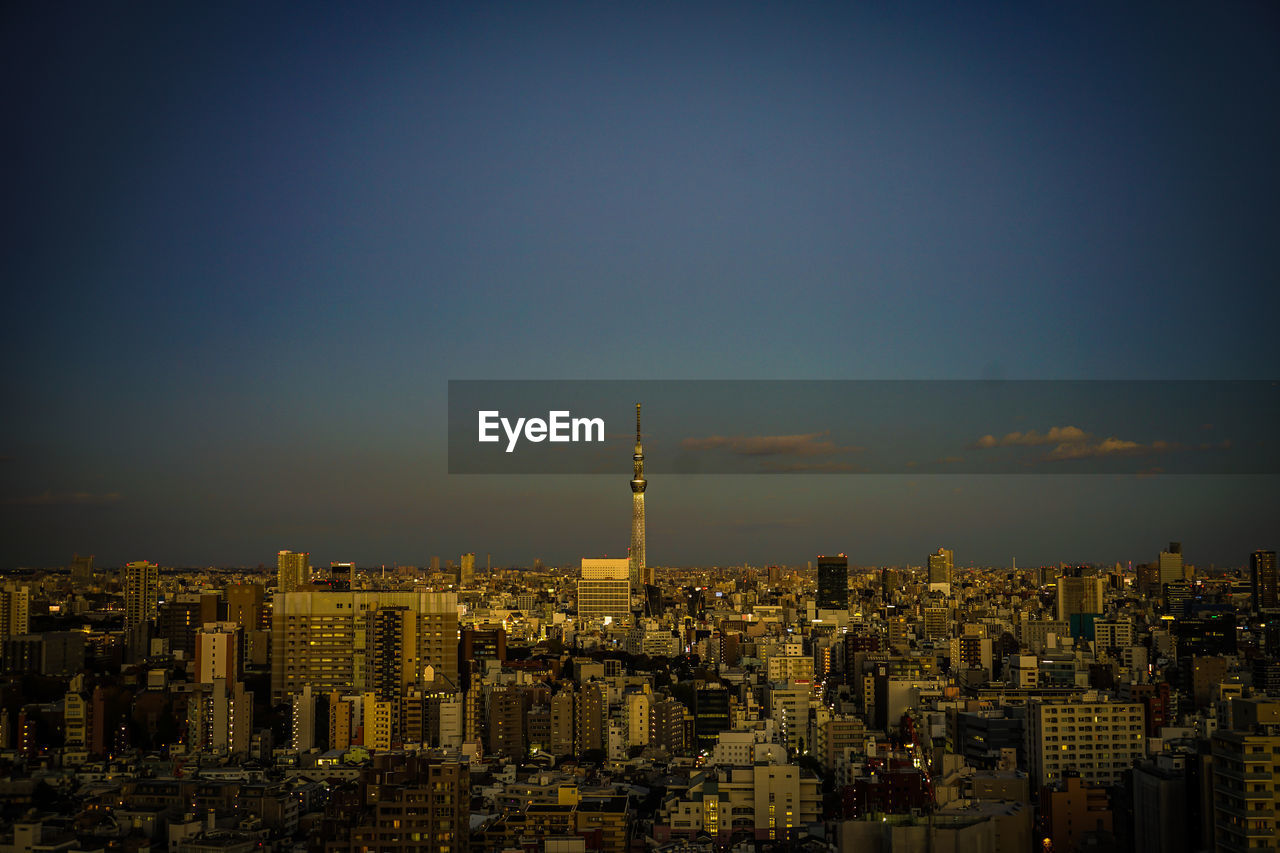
x=637 y=569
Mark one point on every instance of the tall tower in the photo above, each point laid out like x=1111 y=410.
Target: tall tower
x=636 y=568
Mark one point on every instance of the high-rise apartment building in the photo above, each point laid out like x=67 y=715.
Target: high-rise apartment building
x=220 y=718
x=141 y=585
x=293 y=569
x=467 y=571
x=604 y=590
x=329 y=639
x=1246 y=765
x=1262 y=572
x=15 y=610
x=217 y=652
x=1097 y=740
x=833 y=582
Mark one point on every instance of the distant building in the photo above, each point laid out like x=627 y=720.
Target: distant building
x=15 y=605
x=293 y=569
x=941 y=566
x=81 y=571
x=1170 y=564
x=467 y=571
x=604 y=590
x=833 y=582
x=1262 y=572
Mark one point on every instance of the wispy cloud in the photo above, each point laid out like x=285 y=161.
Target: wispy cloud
x=1070 y=442
x=50 y=498
x=806 y=444
x=1031 y=438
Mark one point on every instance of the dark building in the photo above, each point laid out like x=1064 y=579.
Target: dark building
x=980 y=735
x=895 y=791
x=833 y=582
x=711 y=716
x=484 y=644
x=402 y=802
x=1214 y=634
x=652 y=600
x=178 y=621
x=507 y=723
x=1262 y=571
x=666 y=725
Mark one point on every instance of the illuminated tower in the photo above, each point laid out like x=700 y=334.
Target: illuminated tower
x=639 y=575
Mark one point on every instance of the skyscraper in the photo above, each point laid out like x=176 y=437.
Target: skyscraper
x=15 y=604
x=292 y=570
x=467 y=571
x=636 y=569
x=141 y=581
x=1171 y=564
x=1262 y=569
x=833 y=582
x=941 y=565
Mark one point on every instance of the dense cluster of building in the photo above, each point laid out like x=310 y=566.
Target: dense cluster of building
x=610 y=706
x=450 y=709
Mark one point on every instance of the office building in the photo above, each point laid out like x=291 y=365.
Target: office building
x=604 y=590
x=711 y=716
x=1079 y=593
x=1170 y=564
x=833 y=582
x=941 y=566
x=467 y=571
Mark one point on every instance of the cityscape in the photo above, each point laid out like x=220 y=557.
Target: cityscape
x=617 y=705
x=934 y=342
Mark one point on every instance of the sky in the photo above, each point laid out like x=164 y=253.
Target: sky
x=248 y=245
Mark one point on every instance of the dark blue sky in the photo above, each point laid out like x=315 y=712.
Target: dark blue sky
x=246 y=248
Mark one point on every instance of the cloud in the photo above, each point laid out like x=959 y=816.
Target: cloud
x=1031 y=438
x=807 y=444
x=1111 y=446
x=50 y=498
x=830 y=467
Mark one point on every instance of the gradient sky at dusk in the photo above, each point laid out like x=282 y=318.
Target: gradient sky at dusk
x=247 y=247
